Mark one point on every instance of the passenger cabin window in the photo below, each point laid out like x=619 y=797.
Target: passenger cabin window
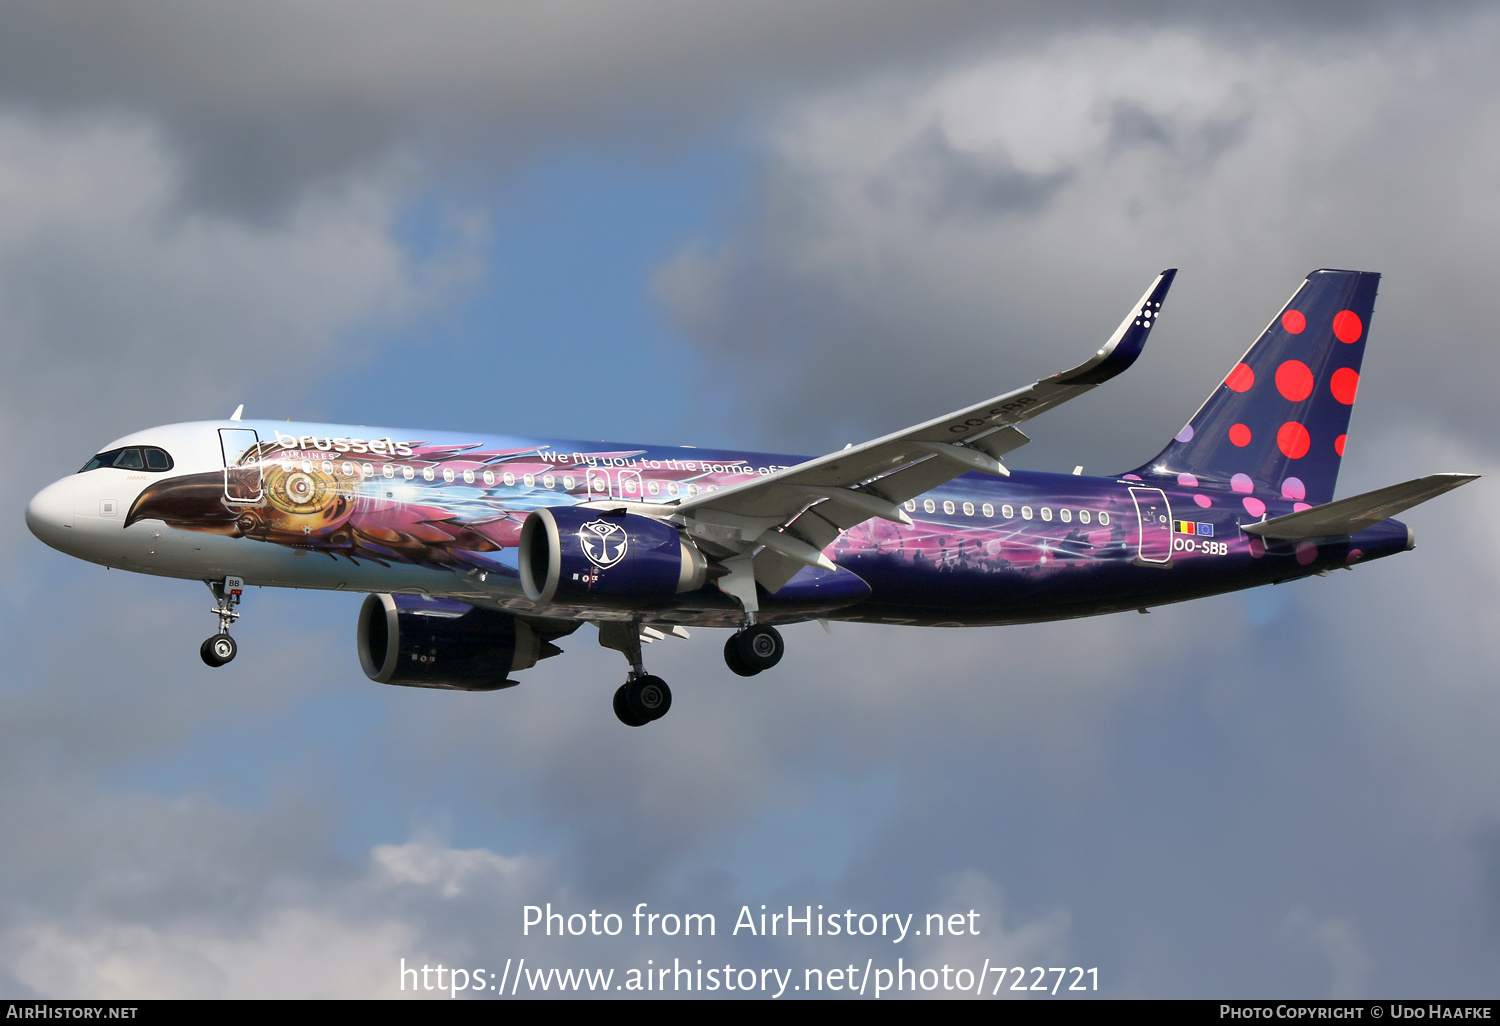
x=988 y=510
x=427 y=474
x=135 y=457
x=1104 y=519
x=1083 y=516
x=1007 y=511
x=1047 y=513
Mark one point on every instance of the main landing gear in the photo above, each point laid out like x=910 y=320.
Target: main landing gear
x=756 y=648
x=643 y=697
x=220 y=648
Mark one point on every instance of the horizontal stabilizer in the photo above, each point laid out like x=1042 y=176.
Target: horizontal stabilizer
x=1354 y=514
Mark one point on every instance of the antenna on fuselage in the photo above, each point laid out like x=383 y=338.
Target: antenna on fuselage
x=237 y=411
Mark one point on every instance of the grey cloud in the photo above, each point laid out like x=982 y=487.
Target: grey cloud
x=1196 y=147
x=1159 y=795
x=119 y=308
x=857 y=316
x=950 y=184
x=267 y=99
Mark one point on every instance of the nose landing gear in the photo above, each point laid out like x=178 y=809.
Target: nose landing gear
x=220 y=648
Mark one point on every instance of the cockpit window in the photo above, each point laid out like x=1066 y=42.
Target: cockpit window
x=135 y=457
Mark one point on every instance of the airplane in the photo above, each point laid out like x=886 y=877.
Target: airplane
x=477 y=554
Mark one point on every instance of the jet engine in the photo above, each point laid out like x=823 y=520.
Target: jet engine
x=436 y=643
x=590 y=557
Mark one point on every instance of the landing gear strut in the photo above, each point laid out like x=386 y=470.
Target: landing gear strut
x=220 y=648
x=756 y=648
x=643 y=697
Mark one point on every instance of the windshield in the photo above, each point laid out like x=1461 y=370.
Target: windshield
x=135 y=457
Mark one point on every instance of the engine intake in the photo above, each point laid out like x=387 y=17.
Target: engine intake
x=436 y=643
x=589 y=557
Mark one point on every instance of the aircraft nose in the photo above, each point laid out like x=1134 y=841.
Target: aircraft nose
x=49 y=514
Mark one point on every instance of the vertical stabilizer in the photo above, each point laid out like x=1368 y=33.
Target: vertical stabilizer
x=1275 y=428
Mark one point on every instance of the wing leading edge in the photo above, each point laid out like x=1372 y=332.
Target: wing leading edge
x=792 y=515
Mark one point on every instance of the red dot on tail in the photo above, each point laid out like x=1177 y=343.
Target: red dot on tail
x=1294 y=380
x=1293 y=440
x=1239 y=434
x=1338 y=444
x=1293 y=322
x=1240 y=379
x=1344 y=384
x=1347 y=326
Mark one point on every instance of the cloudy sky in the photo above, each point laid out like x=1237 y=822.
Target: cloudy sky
x=749 y=224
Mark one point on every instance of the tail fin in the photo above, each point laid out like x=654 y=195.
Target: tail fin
x=1275 y=428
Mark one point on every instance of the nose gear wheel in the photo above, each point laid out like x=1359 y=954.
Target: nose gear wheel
x=218 y=650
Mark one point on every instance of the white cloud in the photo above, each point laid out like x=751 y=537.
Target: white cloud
x=121 y=306
x=1337 y=940
x=920 y=242
x=299 y=939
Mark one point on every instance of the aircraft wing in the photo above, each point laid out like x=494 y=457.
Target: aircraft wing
x=1354 y=514
x=794 y=513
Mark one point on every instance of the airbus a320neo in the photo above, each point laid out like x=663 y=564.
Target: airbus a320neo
x=479 y=554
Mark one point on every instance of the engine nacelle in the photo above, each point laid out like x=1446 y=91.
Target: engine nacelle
x=436 y=643
x=590 y=557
